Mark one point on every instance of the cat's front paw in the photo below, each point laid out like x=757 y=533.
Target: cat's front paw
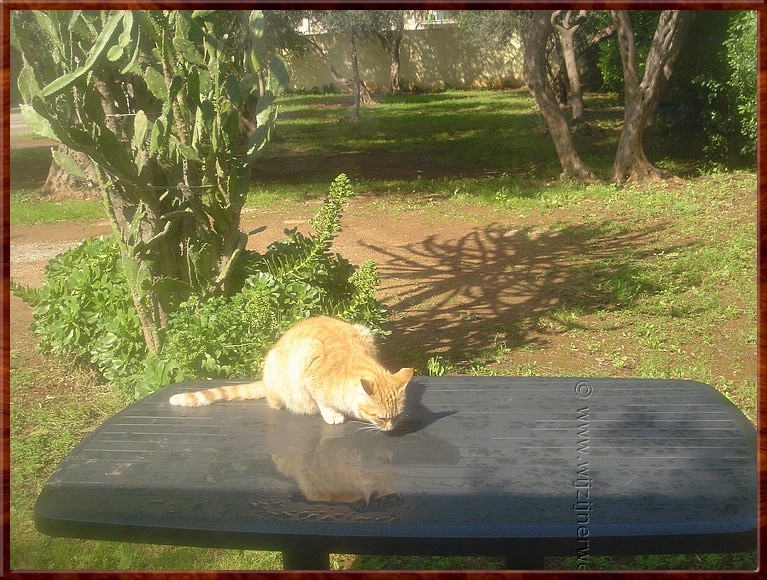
x=331 y=417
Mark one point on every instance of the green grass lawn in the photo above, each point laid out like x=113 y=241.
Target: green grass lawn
x=487 y=145
x=28 y=171
x=661 y=282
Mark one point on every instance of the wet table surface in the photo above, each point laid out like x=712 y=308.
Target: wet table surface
x=515 y=467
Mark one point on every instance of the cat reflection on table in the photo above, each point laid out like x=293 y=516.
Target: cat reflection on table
x=360 y=469
x=321 y=365
x=339 y=470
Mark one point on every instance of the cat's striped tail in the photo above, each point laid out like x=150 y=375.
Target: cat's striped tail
x=228 y=393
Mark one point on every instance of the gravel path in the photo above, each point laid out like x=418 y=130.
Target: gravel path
x=38 y=251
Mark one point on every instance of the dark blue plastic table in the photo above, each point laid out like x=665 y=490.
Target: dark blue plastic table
x=515 y=467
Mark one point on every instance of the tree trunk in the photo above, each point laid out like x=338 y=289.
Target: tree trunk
x=557 y=80
x=261 y=84
x=394 y=70
x=566 y=30
x=556 y=73
x=535 y=77
x=642 y=99
x=59 y=181
x=391 y=40
x=356 y=77
x=123 y=216
x=601 y=35
x=365 y=97
x=148 y=255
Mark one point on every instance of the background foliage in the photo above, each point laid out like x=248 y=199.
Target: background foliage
x=711 y=99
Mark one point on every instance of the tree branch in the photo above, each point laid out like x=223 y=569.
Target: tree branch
x=625 y=35
x=601 y=35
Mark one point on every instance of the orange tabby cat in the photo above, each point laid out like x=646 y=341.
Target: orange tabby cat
x=323 y=365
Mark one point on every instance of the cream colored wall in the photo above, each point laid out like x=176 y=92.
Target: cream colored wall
x=429 y=59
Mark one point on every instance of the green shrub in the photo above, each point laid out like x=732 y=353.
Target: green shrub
x=741 y=54
x=84 y=310
x=711 y=102
x=728 y=118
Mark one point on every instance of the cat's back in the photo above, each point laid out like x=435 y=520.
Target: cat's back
x=328 y=333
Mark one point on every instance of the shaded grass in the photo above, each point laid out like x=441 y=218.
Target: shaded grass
x=444 y=134
x=449 y=135
x=486 y=145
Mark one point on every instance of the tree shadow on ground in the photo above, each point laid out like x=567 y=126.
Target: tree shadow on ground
x=462 y=296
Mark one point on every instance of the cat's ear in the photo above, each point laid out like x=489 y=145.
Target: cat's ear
x=403 y=376
x=368 y=385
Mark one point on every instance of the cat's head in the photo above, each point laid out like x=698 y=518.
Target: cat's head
x=383 y=399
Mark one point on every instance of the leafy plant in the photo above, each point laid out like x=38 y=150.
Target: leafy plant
x=84 y=309
x=439 y=367
x=296 y=278
x=169 y=108
x=339 y=288
x=741 y=55
x=84 y=312
x=712 y=103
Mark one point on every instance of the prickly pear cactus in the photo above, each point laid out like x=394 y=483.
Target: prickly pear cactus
x=171 y=108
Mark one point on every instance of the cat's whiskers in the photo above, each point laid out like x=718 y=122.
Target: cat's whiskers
x=369 y=427
x=365 y=426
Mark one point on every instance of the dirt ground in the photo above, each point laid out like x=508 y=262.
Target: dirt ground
x=460 y=280
x=450 y=283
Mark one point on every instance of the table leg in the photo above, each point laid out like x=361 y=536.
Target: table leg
x=524 y=562
x=300 y=560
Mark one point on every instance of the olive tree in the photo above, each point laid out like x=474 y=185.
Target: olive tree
x=537 y=82
x=389 y=27
x=567 y=24
x=155 y=101
x=644 y=92
x=644 y=85
x=352 y=24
